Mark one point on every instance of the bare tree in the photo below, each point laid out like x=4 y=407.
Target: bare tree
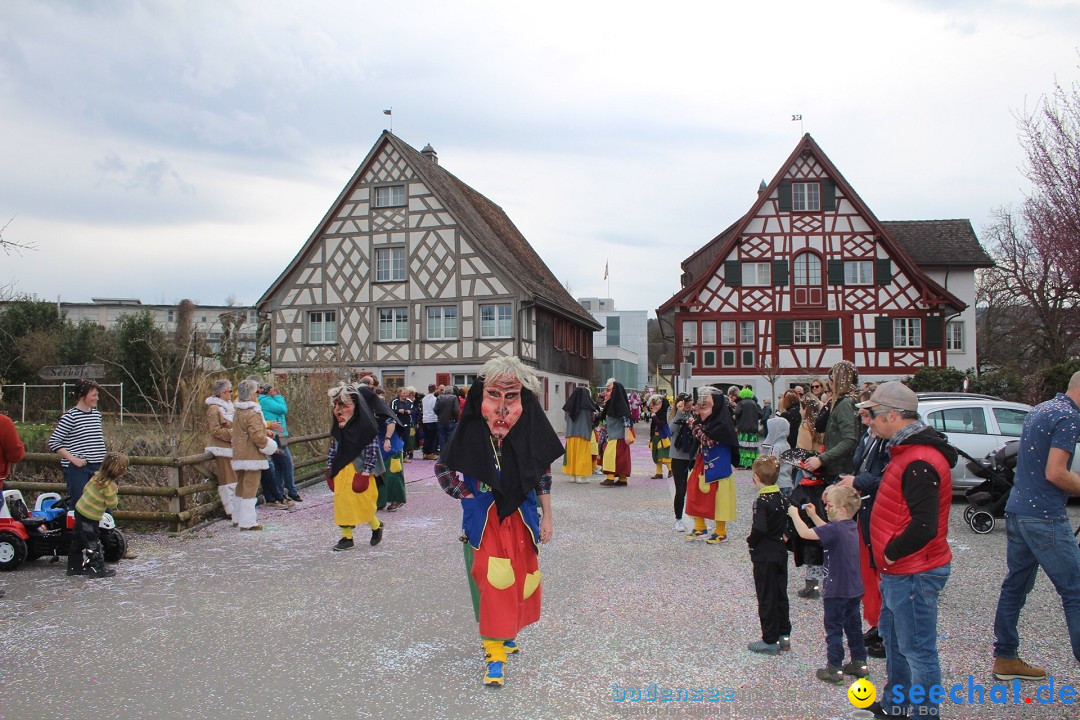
x=8 y=245
x=1030 y=317
x=1050 y=135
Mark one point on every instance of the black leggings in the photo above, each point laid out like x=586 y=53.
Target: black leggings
x=679 y=470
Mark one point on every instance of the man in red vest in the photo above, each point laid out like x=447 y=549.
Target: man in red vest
x=909 y=527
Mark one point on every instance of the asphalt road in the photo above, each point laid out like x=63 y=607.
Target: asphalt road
x=224 y=624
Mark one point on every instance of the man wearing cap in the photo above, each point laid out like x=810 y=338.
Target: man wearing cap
x=1038 y=528
x=909 y=528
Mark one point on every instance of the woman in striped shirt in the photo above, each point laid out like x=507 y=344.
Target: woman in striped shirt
x=79 y=440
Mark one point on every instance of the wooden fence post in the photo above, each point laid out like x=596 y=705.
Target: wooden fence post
x=175 y=475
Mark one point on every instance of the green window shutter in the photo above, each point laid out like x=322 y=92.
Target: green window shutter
x=836 y=272
x=832 y=331
x=785 y=196
x=934 y=331
x=882 y=271
x=733 y=273
x=883 y=334
x=828 y=194
x=785 y=332
x=779 y=273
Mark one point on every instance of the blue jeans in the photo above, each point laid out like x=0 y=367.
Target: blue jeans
x=273 y=490
x=1034 y=542
x=445 y=431
x=843 y=617
x=283 y=473
x=76 y=479
x=908 y=626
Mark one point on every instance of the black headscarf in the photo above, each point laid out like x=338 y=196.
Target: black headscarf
x=527 y=450
x=719 y=426
x=357 y=434
x=580 y=400
x=377 y=404
x=660 y=417
x=618 y=404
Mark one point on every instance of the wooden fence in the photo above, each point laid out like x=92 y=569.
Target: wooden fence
x=179 y=490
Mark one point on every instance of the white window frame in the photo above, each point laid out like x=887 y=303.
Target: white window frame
x=437 y=322
x=501 y=319
x=690 y=356
x=807 y=332
x=393 y=324
x=747 y=332
x=390 y=264
x=727 y=332
x=463 y=380
x=389 y=196
x=326 y=322
x=756 y=274
x=954 y=336
x=907 y=332
x=858 y=272
x=726 y=354
x=805 y=196
x=742 y=357
x=708 y=332
x=689 y=332
x=708 y=358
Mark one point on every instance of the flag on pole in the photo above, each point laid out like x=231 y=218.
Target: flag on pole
x=388 y=112
x=605 y=269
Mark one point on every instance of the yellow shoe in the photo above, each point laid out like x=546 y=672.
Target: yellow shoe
x=494 y=675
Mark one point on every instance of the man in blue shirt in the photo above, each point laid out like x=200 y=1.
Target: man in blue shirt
x=1039 y=532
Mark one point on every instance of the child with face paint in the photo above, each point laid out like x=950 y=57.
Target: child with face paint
x=497 y=464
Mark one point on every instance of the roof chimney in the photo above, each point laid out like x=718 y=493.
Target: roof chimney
x=761 y=187
x=429 y=153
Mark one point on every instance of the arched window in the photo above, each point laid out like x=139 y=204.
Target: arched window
x=808 y=282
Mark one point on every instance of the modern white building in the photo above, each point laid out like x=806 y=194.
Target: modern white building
x=621 y=349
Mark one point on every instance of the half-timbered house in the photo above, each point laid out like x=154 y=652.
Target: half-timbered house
x=418 y=278
x=809 y=276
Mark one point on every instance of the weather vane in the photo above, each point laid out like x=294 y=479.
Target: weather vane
x=799 y=118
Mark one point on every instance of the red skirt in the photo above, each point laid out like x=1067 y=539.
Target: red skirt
x=504 y=577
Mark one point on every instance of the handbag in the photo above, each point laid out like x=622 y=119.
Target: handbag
x=717 y=462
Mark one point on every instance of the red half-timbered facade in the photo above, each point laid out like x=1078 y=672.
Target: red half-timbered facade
x=806 y=278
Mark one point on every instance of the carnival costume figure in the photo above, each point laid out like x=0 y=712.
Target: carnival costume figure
x=352 y=464
x=618 y=421
x=497 y=464
x=660 y=434
x=710 y=490
x=579 y=409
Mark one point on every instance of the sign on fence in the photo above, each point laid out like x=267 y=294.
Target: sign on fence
x=71 y=372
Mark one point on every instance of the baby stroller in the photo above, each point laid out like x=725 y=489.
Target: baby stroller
x=986 y=501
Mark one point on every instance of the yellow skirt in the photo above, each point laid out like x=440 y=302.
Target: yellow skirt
x=578 y=460
x=352 y=509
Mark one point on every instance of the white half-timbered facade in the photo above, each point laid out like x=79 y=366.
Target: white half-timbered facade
x=418 y=278
x=809 y=276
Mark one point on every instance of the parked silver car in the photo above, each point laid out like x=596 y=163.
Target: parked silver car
x=977 y=424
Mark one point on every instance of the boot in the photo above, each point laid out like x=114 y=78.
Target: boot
x=812 y=591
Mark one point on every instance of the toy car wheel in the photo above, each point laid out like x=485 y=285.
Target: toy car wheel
x=12 y=551
x=113 y=545
x=981 y=522
x=968 y=512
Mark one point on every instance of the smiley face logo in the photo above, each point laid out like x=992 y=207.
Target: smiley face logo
x=861 y=693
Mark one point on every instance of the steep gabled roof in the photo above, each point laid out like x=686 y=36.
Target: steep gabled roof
x=494 y=234
x=722 y=245
x=939 y=242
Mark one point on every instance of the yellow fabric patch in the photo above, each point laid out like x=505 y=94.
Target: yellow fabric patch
x=395 y=464
x=500 y=574
x=532 y=581
x=664 y=443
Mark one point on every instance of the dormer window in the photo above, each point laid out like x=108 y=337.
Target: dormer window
x=805 y=197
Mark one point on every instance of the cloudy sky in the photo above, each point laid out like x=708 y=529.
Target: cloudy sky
x=164 y=149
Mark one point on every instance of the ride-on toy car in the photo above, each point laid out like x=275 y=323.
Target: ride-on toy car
x=47 y=530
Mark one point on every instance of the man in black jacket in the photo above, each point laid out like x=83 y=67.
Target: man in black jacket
x=447 y=408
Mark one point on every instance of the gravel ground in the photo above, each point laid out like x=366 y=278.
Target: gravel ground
x=220 y=623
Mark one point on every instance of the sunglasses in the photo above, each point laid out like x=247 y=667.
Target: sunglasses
x=815 y=387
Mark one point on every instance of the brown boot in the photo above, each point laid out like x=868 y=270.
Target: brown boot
x=1016 y=669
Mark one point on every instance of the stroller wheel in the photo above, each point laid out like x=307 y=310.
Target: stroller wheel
x=968 y=512
x=981 y=522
